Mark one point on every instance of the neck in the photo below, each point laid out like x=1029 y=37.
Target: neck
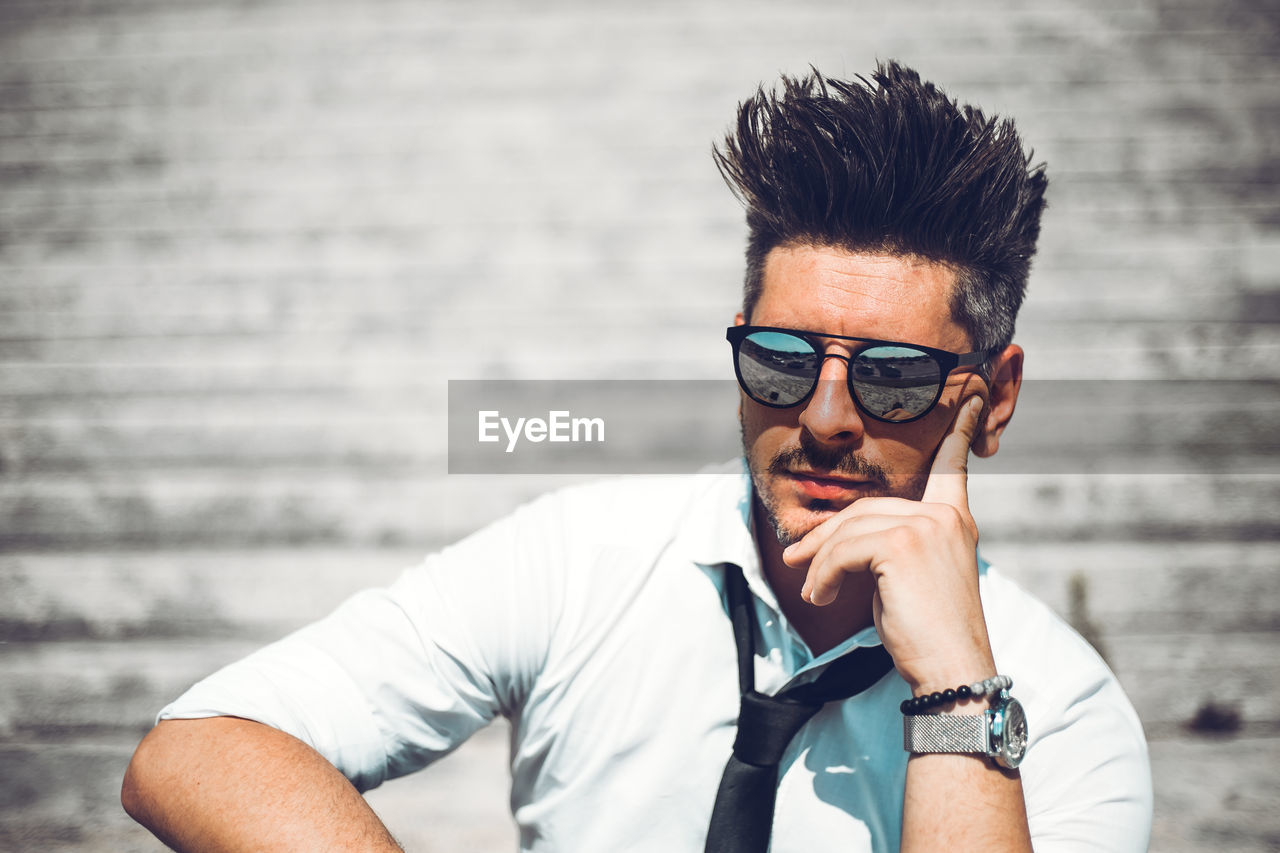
x=821 y=628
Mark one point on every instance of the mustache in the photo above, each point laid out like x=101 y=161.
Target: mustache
x=844 y=461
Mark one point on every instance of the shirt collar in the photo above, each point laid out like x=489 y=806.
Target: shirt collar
x=717 y=525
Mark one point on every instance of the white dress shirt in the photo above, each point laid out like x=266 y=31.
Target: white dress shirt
x=594 y=620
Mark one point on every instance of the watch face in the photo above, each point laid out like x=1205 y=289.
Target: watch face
x=1009 y=733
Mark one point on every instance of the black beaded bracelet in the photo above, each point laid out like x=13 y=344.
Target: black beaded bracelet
x=921 y=704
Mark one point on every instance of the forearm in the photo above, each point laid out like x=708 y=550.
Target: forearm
x=963 y=801
x=227 y=784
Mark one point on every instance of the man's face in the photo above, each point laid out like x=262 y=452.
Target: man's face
x=812 y=460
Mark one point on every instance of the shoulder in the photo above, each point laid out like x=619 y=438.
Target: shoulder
x=576 y=537
x=1052 y=665
x=661 y=498
x=630 y=509
x=1020 y=624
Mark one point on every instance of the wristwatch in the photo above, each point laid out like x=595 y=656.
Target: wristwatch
x=999 y=733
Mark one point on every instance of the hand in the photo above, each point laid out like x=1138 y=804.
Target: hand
x=922 y=556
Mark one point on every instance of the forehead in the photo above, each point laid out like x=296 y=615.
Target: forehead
x=827 y=289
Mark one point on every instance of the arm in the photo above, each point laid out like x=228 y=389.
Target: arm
x=922 y=557
x=963 y=802
x=389 y=682
x=224 y=784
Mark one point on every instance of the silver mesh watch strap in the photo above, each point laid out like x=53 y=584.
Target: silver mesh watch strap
x=945 y=733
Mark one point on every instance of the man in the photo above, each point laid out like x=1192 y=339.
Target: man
x=890 y=240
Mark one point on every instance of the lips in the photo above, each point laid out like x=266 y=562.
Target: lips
x=826 y=487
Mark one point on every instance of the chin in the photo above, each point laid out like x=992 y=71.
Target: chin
x=792 y=524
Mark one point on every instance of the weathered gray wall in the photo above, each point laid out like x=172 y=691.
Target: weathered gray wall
x=243 y=246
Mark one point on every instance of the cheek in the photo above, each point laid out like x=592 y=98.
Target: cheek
x=909 y=448
x=765 y=427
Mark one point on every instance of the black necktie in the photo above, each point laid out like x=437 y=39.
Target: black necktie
x=742 y=819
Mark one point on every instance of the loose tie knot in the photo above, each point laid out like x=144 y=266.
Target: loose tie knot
x=766 y=724
x=742 y=817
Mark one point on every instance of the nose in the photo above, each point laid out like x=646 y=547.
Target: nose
x=830 y=415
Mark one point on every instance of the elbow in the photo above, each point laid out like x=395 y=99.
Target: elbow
x=136 y=776
x=144 y=783
x=130 y=793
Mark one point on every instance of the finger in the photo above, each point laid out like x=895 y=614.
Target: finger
x=835 y=563
x=948 y=478
x=847 y=551
x=798 y=554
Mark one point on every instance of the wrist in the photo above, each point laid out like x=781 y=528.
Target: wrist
x=970 y=698
x=925 y=676
x=1000 y=733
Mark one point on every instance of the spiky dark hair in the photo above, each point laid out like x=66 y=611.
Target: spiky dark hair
x=890 y=165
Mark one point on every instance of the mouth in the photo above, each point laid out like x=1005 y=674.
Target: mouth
x=829 y=487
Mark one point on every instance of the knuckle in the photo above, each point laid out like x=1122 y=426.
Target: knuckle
x=840 y=555
x=905 y=536
x=950 y=517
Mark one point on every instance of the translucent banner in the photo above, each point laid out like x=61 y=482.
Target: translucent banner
x=683 y=426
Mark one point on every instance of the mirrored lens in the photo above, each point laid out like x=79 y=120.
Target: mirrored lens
x=777 y=368
x=895 y=383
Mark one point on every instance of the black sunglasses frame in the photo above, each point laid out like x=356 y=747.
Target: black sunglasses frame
x=948 y=362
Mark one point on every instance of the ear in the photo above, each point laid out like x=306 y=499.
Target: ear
x=1006 y=381
x=739 y=320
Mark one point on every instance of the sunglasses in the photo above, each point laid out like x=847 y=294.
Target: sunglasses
x=889 y=381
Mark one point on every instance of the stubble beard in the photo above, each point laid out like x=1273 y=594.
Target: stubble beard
x=811 y=456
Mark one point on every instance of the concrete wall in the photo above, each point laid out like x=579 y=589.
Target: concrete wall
x=243 y=246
